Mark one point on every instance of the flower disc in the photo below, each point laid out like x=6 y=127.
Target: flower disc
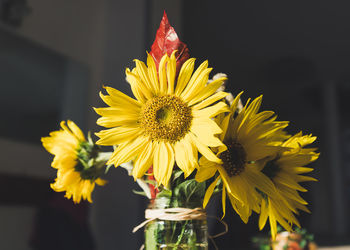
x=166 y=118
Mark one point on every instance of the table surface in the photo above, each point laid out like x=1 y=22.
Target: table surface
x=335 y=248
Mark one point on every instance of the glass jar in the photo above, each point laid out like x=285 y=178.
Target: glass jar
x=179 y=235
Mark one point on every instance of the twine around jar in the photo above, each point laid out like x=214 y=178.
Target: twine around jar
x=173 y=214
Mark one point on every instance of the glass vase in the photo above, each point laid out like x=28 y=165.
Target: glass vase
x=179 y=235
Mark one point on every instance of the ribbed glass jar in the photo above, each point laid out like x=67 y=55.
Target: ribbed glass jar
x=179 y=235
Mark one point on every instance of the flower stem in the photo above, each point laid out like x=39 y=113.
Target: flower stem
x=181 y=235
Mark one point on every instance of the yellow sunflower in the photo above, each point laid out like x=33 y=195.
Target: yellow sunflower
x=248 y=137
x=285 y=169
x=168 y=122
x=77 y=169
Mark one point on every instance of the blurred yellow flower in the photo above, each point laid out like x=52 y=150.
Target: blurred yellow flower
x=72 y=152
x=168 y=122
x=248 y=137
x=285 y=169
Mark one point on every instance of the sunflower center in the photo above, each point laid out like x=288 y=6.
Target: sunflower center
x=271 y=169
x=164 y=114
x=166 y=118
x=234 y=158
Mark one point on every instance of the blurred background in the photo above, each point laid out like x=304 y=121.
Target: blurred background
x=56 y=55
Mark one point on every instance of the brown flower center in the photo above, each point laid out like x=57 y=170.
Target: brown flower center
x=234 y=158
x=166 y=118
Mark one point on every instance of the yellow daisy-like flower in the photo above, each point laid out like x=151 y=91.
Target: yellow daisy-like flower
x=248 y=137
x=168 y=122
x=285 y=170
x=77 y=180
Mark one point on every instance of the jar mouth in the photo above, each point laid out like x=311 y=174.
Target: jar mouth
x=166 y=202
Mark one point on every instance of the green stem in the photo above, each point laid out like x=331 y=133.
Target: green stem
x=174 y=224
x=181 y=235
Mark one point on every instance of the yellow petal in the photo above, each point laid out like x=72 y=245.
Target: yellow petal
x=273 y=223
x=100 y=182
x=209 y=192
x=235 y=102
x=121 y=99
x=129 y=120
x=144 y=161
x=116 y=111
x=210 y=100
x=223 y=200
x=127 y=151
x=287 y=181
x=204 y=129
x=68 y=134
x=69 y=178
x=195 y=87
x=87 y=189
x=195 y=79
x=76 y=130
x=261 y=181
x=142 y=72
x=242 y=211
x=211 y=111
x=184 y=76
x=259 y=150
x=291 y=194
x=163 y=162
x=263 y=214
x=152 y=73
x=226 y=179
x=224 y=125
x=204 y=150
x=116 y=136
x=206 y=170
x=205 y=135
x=60 y=143
x=282 y=214
x=163 y=86
x=184 y=157
x=302 y=170
x=138 y=87
x=171 y=72
x=208 y=90
x=302 y=178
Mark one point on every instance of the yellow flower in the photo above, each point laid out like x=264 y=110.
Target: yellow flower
x=285 y=170
x=248 y=137
x=72 y=176
x=168 y=122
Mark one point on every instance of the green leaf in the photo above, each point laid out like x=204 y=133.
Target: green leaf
x=107 y=168
x=89 y=138
x=142 y=193
x=165 y=193
x=152 y=182
x=189 y=192
x=303 y=243
x=218 y=187
x=177 y=174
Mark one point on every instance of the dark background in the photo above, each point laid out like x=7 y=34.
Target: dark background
x=56 y=55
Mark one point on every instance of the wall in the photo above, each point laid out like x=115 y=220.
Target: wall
x=291 y=52
x=104 y=36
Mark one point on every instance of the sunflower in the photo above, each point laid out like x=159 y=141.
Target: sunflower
x=78 y=169
x=285 y=170
x=248 y=137
x=167 y=123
